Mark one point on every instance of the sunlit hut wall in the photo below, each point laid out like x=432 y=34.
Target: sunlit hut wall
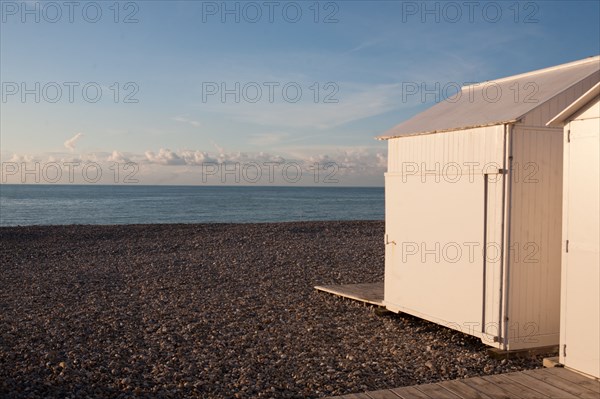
x=467 y=177
x=580 y=283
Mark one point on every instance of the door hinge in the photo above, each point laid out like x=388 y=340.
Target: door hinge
x=569 y=136
x=565 y=350
x=567 y=246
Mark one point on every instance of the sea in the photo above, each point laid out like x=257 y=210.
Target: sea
x=25 y=205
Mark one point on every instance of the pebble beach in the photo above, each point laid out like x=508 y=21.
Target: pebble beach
x=211 y=311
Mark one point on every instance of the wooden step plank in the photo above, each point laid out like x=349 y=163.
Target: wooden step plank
x=371 y=293
x=410 y=393
x=463 y=390
x=437 y=391
x=491 y=389
x=589 y=383
x=540 y=386
x=514 y=388
x=565 y=385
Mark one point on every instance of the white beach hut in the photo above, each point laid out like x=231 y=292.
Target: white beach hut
x=580 y=299
x=474 y=205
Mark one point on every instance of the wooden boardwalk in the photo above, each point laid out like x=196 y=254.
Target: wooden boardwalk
x=371 y=293
x=553 y=383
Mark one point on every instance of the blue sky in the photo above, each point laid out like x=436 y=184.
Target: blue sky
x=358 y=54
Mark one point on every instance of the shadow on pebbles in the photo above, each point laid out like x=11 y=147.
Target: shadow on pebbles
x=212 y=311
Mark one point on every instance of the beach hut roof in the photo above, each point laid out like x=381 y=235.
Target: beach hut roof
x=479 y=104
x=572 y=109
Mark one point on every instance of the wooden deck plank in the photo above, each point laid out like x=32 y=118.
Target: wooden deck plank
x=410 y=393
x=371 y=293
x=540 y=386
x=437 y=391
x=514 y=388
x=356 y=396
x=588 y=383
x=565 y=385
x=490 y=388
x=464 y=391
x=555 y=383
x=382 y=394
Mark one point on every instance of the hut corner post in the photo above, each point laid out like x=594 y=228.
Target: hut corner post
x=508 y=128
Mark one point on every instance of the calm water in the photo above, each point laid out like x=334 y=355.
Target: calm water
x=79 y=204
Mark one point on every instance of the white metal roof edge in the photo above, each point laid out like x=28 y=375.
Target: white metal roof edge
x=575 y=106
x=382 y=138
x=591 y=59
x=588 y=60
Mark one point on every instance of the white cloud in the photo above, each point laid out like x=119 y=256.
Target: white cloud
x=70 y=143
x=184 y=119
x=350 y=165
x=219 y=148
x=164 y=157
x=118 y=156
x=195 y=157
x=23 y=158
x=350 y=161
x=353 y=161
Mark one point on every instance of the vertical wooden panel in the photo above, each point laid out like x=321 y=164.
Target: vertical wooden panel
x=536 y=209
x=580 y=324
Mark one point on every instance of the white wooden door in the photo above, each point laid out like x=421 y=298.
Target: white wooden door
x=580 y=347
x=434 y=263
